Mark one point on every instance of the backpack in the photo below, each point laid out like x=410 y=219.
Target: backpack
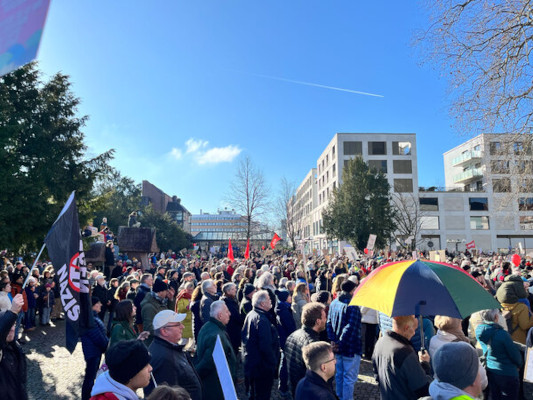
x=508 y=315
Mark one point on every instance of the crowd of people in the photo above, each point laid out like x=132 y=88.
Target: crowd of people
x=282 y=320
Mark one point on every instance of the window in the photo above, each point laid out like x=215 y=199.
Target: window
x=429 y=204
x=401 y=148
x=333 y=168
x=518 y=147
x=377 y=148
x=353 y=148
x=525 y=204
x=378 y=165
x=495 y=148
x=525 y=185
x=524 y=166
x=501 y=185
x=479 y=204
x=428 y=222
x=402 y=166
x=346 y=163
x=333 y=152
x=403 y=185
x=526 y=222
x=479 y=223
x=499 y=166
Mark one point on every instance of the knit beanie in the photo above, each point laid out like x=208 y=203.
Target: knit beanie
x=159 y=286
x=248 y=288
x=283 y=295
x=456 y=363
x=125 y=359
x=347 y=286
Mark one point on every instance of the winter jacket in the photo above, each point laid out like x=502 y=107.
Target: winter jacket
x=246 y=307
x=313 y=387
x=13 y=368
x=511 y=290
x=344 y=326
x=286 y=324
x=521 y=321
x=204 y=357
x=94 y=340
x=16 y=289
x=298 y=302
x=173 y=365
x=47 y=298
x=121 y=330
x=196 y=318
x=100 y=291
x=142 y=290
x=183 y=307
x=260 y=344
x=205 y=306
x=234 y=326
x=32 y=301
x=106 y=388
x=503 y=357
x=293 y=352
x=445 y=391
x=151 y=305
x=400 y=374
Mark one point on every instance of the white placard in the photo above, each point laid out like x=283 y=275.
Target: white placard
x=371 y=242
x=224 y=374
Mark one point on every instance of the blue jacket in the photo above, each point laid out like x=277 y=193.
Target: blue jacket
x=503 y=357
x=286 y=324
x=344 y=326
x=94 y=341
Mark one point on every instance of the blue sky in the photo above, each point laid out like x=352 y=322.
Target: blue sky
x=181 y=90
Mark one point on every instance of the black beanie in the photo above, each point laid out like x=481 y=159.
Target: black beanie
x=95 y=300
x=347 y=286
x=125 y=359
x=159 y=286
x=283 y=295
x=248 y=288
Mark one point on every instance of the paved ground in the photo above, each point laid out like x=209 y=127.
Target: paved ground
x=54 y=373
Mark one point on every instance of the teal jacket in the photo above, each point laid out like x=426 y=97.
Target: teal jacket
x=503 y=357
x=205 y=366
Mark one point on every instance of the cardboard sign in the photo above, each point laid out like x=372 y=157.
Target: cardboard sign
x=371 y=242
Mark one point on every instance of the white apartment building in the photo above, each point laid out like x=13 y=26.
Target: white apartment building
x=302 y=206
x=488 y=196
x=394 y=154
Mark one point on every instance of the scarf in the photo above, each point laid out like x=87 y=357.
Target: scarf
x=183 y=295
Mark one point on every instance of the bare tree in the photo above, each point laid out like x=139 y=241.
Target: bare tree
x=408 y=218
x=483 y=48
x=249 y=193
x=286 y=210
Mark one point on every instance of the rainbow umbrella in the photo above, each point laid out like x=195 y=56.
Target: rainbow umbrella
x=422 y=288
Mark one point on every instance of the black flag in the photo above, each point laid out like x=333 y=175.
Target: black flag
x=66 y=251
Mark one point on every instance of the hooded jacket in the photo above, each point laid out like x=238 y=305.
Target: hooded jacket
x=445 y=391
x=511 y=290
x=503 y=357
x=106 y=388
x=521 y=321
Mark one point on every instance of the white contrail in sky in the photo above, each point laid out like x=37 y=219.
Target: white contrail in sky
x=317 y=85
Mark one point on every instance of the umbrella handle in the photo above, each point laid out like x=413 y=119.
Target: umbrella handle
x=418 y=311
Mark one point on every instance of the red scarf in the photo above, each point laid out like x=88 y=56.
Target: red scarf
x=183 y=295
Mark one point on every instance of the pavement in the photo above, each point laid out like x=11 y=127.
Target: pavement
x=54 y=373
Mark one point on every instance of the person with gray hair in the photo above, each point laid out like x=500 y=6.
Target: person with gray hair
x=261 y=347
x=234 y=325
x=266 y=282
x=209 y=295
x=503 y=357
x=207 y=338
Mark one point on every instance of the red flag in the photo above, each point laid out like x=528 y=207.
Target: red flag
x=274 y=240
x=247 y=252
x=230 y=252
x=471 y=245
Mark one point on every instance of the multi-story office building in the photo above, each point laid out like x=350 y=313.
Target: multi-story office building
x=301 y=207
x=488 y=196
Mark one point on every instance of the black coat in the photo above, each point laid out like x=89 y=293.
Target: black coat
x=286 y=324
x=13 y=367
x=260 y=342
x=172 y=365
x=313 y=387
x=234 y=326
x=139 y=297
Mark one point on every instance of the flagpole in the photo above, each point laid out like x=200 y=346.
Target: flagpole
x=33 y=266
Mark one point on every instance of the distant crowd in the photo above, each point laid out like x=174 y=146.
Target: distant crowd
x=284 y=324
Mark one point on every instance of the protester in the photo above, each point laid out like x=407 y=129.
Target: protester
x=164 y=392
x=5 y=294
x=207 y=338
x=320 y=362
x=299 y=299
x=144 y=288
x=369 y=321
x=401 y=374
x=94 y=343
x=13 y=362
x=100 y=290
x=344 y=331
x=129 y=367
x=234 y=326
x=183 y=303
x=457 y=373
x=261 y=347
x=209 y=295
x=171 y=364
x=154 y=302
x=196 y=299
x=246 y=302
x=286 y=326
x=47 y=303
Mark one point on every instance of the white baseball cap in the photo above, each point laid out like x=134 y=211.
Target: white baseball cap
x=166 y=317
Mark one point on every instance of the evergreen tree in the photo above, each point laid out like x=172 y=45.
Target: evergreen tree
x=360 y=206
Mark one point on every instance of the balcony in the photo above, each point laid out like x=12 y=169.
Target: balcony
x=464 y=158
x=468 y=176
